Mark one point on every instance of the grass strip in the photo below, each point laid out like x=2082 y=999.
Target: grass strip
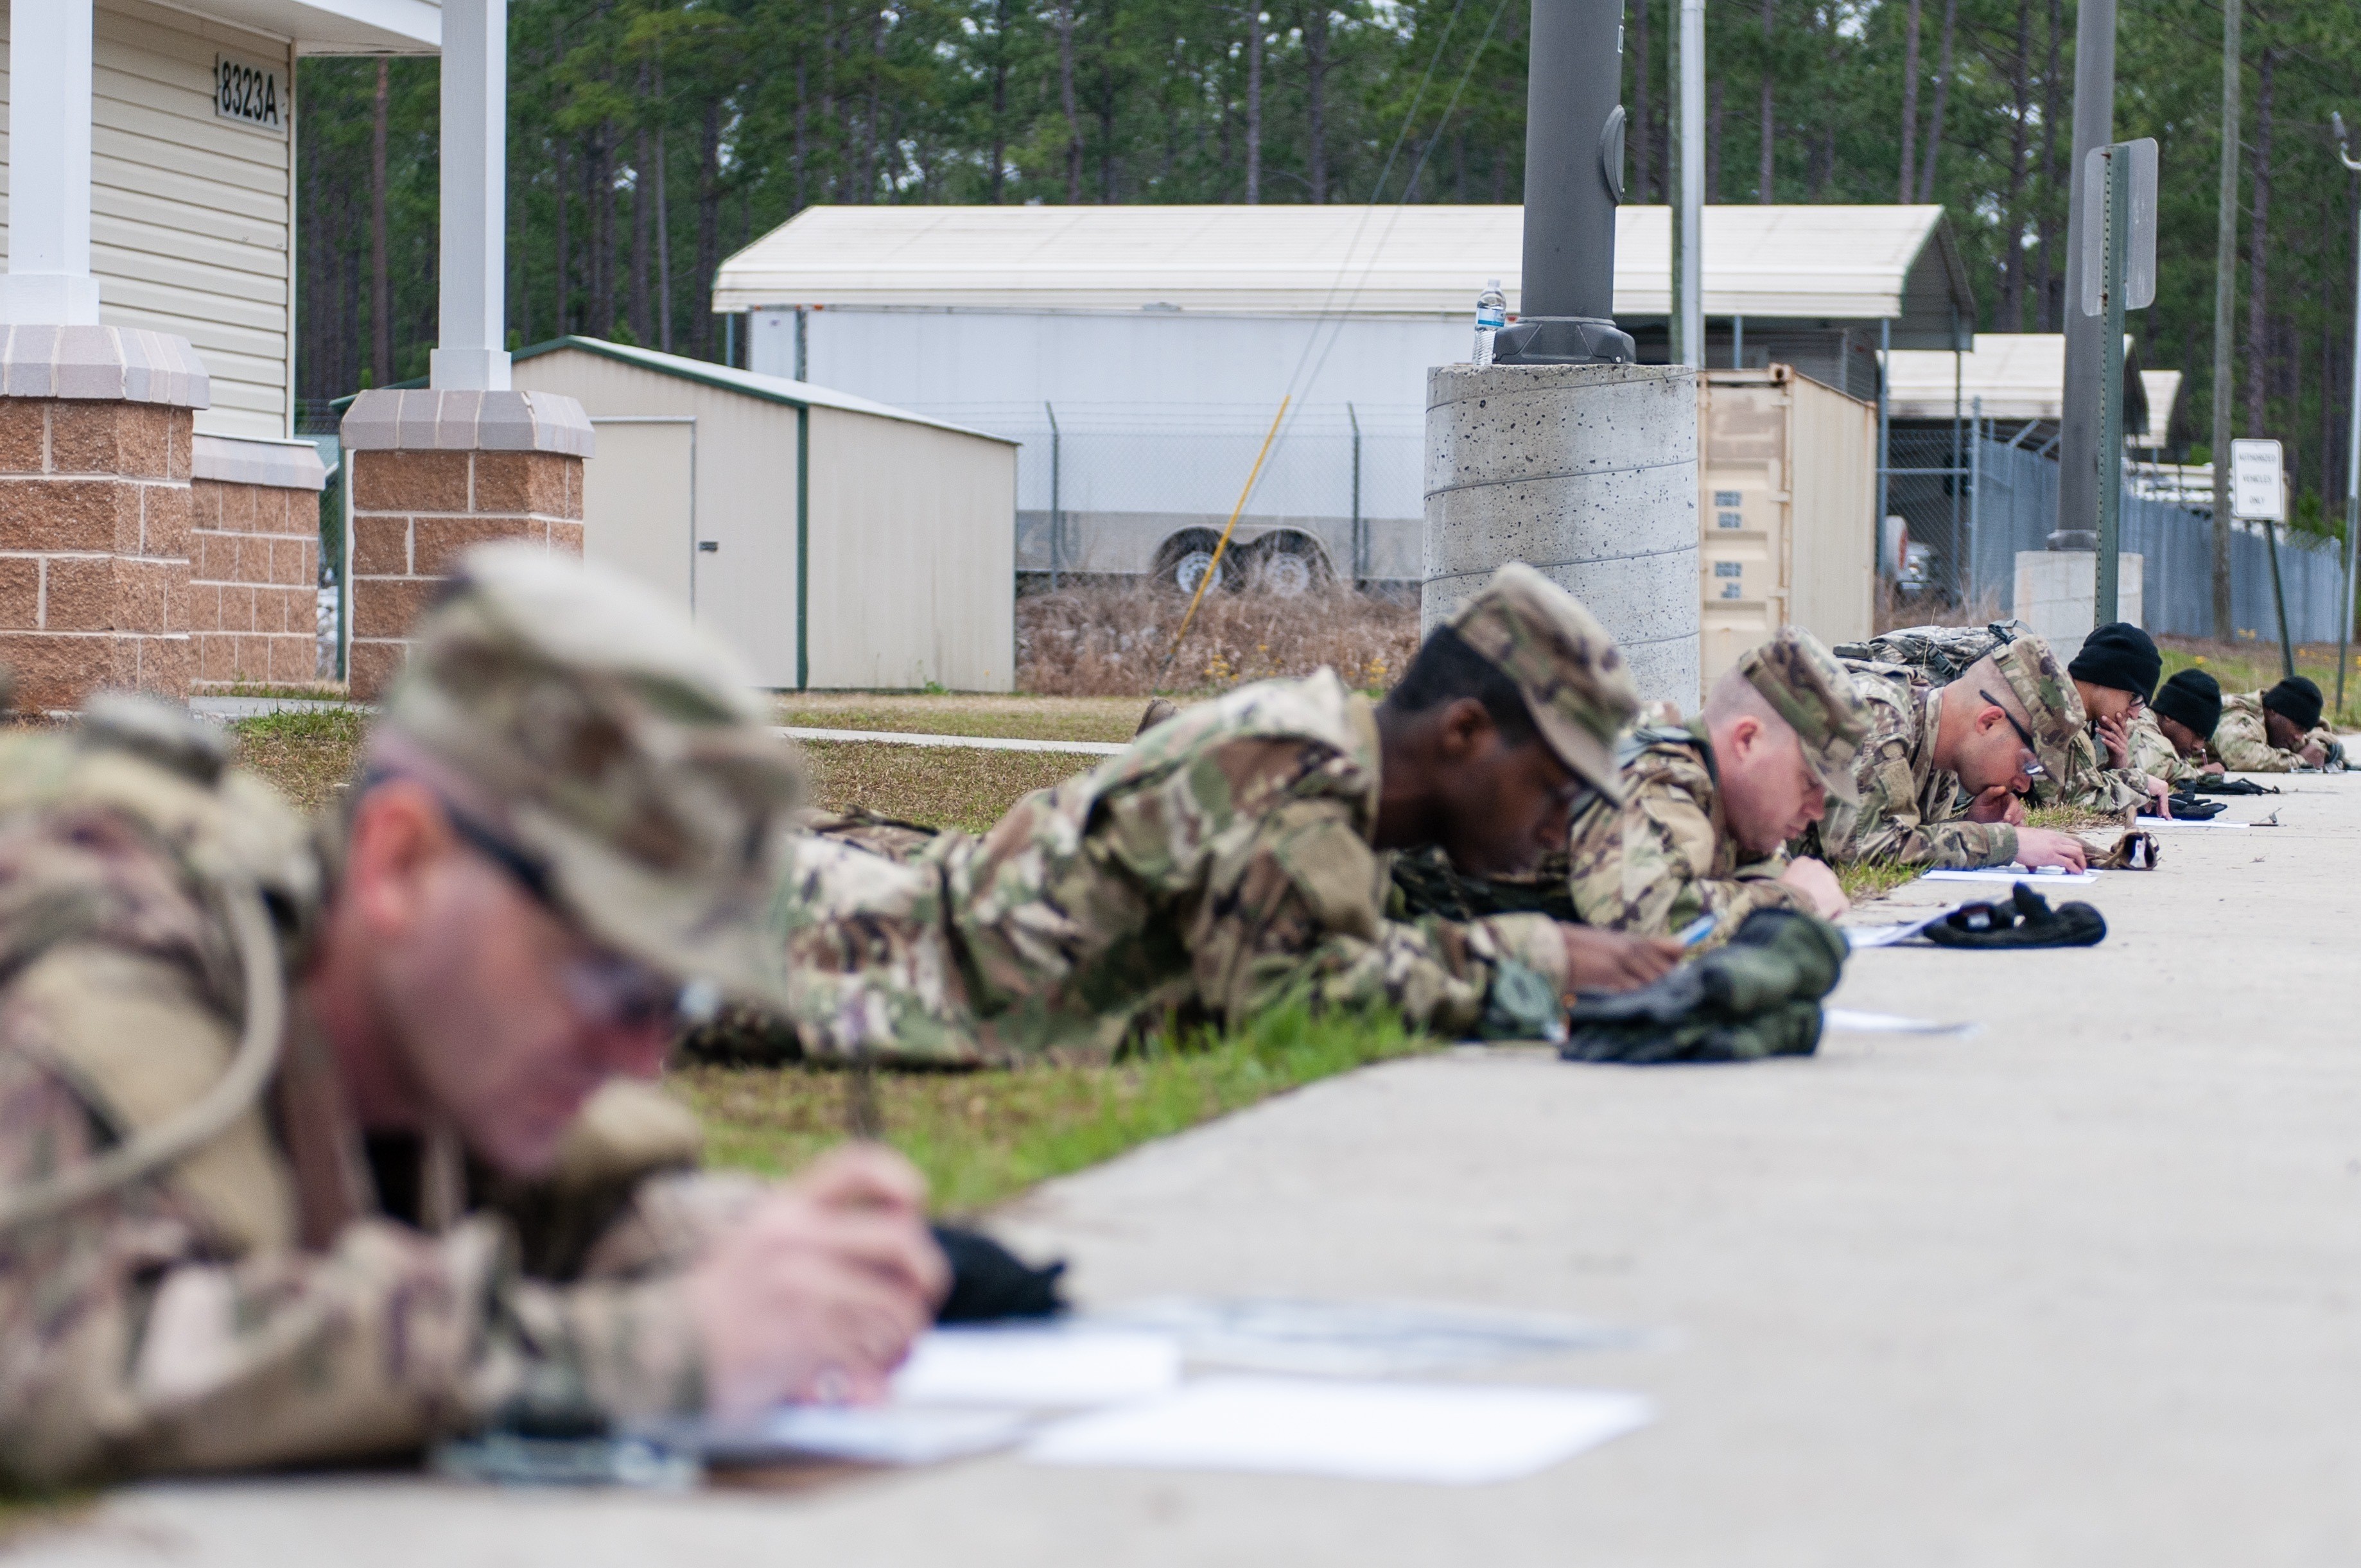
x=2250 y=665
x=1865 y=879
x=304 y=755
x=983 y=1138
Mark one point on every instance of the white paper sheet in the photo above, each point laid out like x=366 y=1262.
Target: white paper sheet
x=1453 y=1435
x=1856 y=1022
x=884 y=1434
x=895 y=1435
x=2190 y=822
x=1356 y=1339
x=1065 y=1368
x=1859 y=937
x=2015 y=873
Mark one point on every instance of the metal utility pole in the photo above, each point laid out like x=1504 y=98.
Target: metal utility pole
x=2351 y=447
x=1688 y=215
x=1573 y=182
x=2118 y=198
x=2078 y=457
x=2226 y=296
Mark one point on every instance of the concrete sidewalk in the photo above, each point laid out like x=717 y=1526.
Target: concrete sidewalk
x=2078 y=1289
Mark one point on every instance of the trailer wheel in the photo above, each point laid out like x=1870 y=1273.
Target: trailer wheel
x=1183 y=560
x=1287 y=565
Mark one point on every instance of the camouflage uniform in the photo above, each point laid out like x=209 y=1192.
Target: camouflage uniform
x=294 y=1290
x=1909 y=809
x=1666 y=856
x=1941 y=654
x=2243 y=742
x=2153 y=755
x=1221 y=863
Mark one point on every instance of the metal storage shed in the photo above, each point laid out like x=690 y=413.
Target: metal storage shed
x=836 y=542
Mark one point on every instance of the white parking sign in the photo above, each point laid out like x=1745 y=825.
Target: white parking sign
x=2258 y=481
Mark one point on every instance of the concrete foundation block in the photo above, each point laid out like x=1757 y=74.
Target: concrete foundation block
x=1586 y=473
x=2058 y=595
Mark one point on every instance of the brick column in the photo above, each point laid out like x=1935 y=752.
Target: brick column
x=254 y=568
x=94 y=463
x=435 y=473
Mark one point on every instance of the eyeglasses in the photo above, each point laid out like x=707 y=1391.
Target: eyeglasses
x=603 y=987
x=2033 y=768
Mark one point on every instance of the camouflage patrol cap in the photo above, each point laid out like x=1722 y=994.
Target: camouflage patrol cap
x=1805 y=686
x=2053 y=708
x=624 y=749
x=1573 y=678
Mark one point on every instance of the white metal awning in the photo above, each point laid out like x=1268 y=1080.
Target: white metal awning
x=334 y=27
x=2018 y=375
x=1798 y=264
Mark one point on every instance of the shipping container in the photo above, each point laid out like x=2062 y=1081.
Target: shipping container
x=1786 y=510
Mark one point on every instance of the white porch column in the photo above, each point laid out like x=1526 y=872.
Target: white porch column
x=48 y=281
x=472 y=355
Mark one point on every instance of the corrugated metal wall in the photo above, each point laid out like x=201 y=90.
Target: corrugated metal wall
x=189 y=212
x=2014 y=507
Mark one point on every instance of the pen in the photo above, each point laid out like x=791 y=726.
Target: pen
x=1697 y=930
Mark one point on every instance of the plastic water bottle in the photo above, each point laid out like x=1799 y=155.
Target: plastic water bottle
x=1492 y=315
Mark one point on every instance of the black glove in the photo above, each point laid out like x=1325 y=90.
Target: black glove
x=1758 y=996
x=989 y=1282
x=2026 y=921
x=2187 y=808
x=2230 y=786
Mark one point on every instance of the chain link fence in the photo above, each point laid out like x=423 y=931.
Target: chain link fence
x=1114 y=490
x=1975 y=505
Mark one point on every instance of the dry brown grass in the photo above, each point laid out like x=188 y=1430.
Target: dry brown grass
x=943 y=787
x=1893 y=610
x=1112 y=638
x=304 y=755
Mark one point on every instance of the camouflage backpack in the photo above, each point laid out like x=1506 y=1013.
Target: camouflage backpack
x=1936 y=654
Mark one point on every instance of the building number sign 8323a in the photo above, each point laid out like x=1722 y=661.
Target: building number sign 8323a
x=251 y=95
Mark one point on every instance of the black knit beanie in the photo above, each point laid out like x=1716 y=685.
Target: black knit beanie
x=2297 y=699
x=2192 y=697
x=2121 y=657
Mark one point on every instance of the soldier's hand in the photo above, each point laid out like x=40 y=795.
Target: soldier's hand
x=2114 y=734
x=1615 y=960
x=2159 y=795
x=817 y=1293
x=1815 y=882
x=2314 y=754
x=1998 y=803
x=2041 y=847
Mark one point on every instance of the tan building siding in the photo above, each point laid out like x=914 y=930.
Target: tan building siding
x=912 y=527
x=191 y=214
x=914 y=578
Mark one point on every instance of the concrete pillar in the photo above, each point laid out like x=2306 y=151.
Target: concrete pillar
x=1587 y=473
x=2057 y=595
x=95 y=456
x=436 y=472
x=254 y=562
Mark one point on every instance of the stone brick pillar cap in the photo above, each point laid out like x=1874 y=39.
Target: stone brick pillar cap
x=423 y=420
x=108 y=364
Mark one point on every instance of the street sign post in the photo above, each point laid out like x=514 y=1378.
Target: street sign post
x=2118 y=275
x=2258 y=494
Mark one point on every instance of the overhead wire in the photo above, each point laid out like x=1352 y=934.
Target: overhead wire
x=1328 y=322
x=1331 y=314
